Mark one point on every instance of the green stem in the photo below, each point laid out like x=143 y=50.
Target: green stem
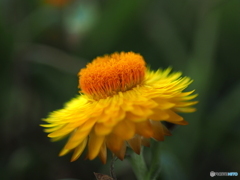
x=155 y=166
x=112 y=172
x=139 y=166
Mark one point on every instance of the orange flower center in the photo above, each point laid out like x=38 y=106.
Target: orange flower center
x=110 y=74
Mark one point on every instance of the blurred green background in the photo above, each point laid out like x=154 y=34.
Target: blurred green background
x=44 y=44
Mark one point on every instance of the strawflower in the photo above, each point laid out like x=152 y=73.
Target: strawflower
x=121 y=103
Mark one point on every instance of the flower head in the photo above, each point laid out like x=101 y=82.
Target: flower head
x=121 y=103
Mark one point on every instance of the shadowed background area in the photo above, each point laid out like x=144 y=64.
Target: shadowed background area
x=43 y=45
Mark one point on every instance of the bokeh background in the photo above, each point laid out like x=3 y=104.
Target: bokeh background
x=43 y=45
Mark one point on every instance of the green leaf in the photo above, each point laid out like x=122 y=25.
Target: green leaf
x=223 y=117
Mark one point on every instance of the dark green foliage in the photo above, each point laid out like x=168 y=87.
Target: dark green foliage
x=43 y=47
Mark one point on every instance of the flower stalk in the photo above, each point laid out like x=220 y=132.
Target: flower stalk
x=139 y=166
x=112 y=171
x=155 y=166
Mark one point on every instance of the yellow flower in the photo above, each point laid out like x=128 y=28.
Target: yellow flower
x=121 y=103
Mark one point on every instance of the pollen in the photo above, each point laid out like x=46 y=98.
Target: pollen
x=111 y=74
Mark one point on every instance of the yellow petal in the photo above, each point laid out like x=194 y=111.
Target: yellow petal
x=115 y=118
x=166 y=72
x=48 y=125
x=127 y=106
x=114 y=143
x=184 y=94
x=124 y=129
x=64 y=151
x=57 y=138
x=144 y=129
x=173 y=117
x=61 y=132
x=166 y=131
x=145 y=141
x=94 y=145
x=135 y=118
x=88 y=124
x=101 y=129
x=185 y=98
x=141 y=111
x=158 y=132
x=135 y=143
x=78 y=150
x=76 y=138
x=185 y=109
x=185 y=104
x=49 y=130
x=103 y=153
x=121 y=153
x=159 y=115
x=163 y=104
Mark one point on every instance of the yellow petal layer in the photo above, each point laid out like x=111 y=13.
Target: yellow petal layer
x=127 y=117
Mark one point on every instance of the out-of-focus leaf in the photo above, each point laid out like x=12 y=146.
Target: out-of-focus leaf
x=164 y=34
x=221 y=120
x=201 y=63
x=35 y=23
x=19 y=162
x=171 y=167
x=116 y=18
x=201 y=68
x=6 y=49
x=229 y=43
x=53 y=57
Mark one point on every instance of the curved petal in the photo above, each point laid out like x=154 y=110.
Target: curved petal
x=94 y=145
x=135 y=143
x=78 y=150
x=103 y=153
